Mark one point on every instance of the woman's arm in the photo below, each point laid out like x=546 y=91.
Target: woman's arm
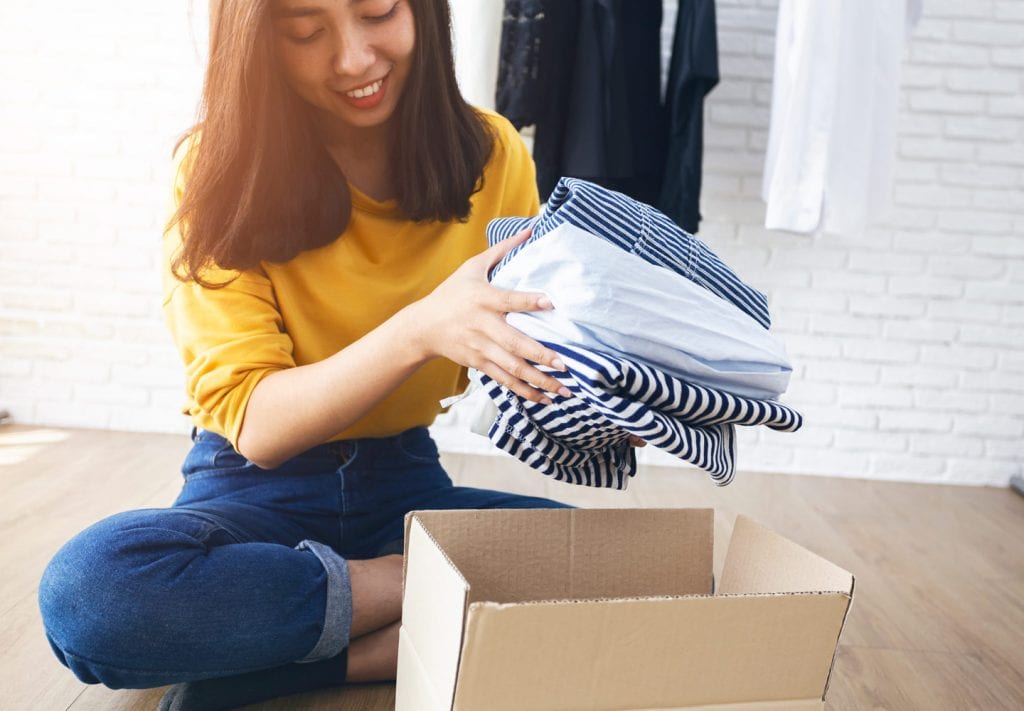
x=294 y=409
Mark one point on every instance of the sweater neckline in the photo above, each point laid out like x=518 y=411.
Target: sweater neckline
x=364 y=202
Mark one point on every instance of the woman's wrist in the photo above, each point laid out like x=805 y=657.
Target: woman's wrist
x=411 y=321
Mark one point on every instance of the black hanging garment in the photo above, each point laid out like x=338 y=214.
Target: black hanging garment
x=586 y=73
x=538 y=47
x=693 y=72
x=520 y=94
x=615 y=133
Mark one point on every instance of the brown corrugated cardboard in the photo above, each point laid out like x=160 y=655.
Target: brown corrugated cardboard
x=612 y=609
x=759 y=560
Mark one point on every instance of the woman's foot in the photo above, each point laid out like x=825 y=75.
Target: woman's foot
x=376 y=593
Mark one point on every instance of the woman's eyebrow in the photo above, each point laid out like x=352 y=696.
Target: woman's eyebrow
x=301 y=11
x=295 y=11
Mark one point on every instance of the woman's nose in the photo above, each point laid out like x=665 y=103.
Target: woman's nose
x=353 y=55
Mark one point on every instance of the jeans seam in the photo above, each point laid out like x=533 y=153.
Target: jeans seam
x=152 y=672
x=217 y=525
x=419 y=459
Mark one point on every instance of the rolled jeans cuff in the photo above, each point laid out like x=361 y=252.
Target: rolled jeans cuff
x=338 y=612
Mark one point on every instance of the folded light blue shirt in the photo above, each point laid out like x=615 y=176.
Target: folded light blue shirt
x=614 y=302
x=636 y=228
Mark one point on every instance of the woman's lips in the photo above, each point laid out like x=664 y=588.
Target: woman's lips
x=372 y=94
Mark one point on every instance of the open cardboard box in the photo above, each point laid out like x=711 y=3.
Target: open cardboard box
x=531 y=609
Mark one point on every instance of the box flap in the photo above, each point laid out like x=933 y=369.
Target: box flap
x=433 y=610
x=761 y=561
x=787 y=705
x=516 y=555
x=414 y=690
x=649 y=653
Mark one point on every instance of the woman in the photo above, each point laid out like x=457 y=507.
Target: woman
x=326 y=286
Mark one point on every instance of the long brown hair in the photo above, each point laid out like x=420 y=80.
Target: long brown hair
x=260 y=184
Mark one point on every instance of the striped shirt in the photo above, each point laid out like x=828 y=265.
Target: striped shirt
x=584 y=439
x=638 y=229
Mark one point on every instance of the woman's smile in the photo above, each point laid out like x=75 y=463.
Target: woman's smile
x=367 y=96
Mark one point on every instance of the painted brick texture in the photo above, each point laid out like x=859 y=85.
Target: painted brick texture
x=908 y=340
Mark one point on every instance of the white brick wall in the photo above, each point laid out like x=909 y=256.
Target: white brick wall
x=94 y=99
x=908 y=339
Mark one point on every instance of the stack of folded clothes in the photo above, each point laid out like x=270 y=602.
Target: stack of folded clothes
x=660 y=338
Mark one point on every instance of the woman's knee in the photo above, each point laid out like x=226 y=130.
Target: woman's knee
x=101 y=592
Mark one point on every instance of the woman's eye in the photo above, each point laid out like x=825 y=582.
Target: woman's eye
x=306 y=38
x=386 y=16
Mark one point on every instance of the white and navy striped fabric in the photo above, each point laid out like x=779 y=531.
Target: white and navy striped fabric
x=584 y=439
x=636 y=228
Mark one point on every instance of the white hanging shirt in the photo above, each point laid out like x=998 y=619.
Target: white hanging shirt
x=832 y=141
x=476 y=36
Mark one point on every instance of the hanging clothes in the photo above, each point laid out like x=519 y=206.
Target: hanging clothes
x=587 y=74
x=475 y=24
x=615 y=134
x=832 y=139
x=526 y=51
x=693 y=72
x=538 y=49
x=519 y=91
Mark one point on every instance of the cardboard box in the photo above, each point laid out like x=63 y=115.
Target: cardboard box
x=612 y=609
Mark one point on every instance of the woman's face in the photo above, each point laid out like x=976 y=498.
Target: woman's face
x=349 y=58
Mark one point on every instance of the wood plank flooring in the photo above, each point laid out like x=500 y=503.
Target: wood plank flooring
x=937 y=620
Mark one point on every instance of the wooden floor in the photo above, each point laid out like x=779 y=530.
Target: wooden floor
x=937 y=621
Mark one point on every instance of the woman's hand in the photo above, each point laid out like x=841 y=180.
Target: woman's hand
x=463 y=320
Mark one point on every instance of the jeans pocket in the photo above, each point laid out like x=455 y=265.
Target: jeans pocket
x=416 y=445
x=212 y=454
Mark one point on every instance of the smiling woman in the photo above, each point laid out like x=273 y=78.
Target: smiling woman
x=285 y=132
x=325 y=283
x=340 y=57
x=351 y=62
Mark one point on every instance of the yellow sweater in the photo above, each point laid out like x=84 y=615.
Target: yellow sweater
x=300 y=312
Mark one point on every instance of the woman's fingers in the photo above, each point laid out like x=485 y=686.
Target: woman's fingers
x=523 y=372
x=507 y=301
x=511 y=357
x=517 y=386
x=636 y=441
x=512 y=343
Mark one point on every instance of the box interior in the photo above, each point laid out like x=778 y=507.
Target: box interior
x=575 y=554
x=605 y=608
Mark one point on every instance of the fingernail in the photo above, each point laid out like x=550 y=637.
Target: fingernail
x=565 y=392
x=545 y=303
x=546 y=401
x=558 y=364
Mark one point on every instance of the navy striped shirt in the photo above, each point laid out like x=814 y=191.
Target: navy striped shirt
x=584 y=439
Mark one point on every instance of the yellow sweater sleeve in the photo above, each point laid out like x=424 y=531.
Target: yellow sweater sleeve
x=229 y=338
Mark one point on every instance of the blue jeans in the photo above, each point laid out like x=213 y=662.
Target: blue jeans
x=247 y=570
